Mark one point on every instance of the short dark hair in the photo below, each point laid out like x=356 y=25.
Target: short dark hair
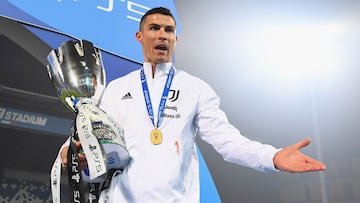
x=156 y=10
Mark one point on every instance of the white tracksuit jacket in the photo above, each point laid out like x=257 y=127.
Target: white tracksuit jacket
x=169 y=172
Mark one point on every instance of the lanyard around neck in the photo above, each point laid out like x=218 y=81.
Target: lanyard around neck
x=163 y=98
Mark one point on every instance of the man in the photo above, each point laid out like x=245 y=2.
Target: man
x=162 y=109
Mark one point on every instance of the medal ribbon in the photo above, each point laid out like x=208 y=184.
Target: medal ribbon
x=163 y=98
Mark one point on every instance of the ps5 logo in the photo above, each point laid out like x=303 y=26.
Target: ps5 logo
x=136 y=10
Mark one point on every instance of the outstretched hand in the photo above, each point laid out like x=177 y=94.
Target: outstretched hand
x=290 y=159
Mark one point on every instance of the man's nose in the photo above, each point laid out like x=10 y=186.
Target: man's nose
x=162 y=34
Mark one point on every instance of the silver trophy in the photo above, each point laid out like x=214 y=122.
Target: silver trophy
x=76 y=71
x=77 y=74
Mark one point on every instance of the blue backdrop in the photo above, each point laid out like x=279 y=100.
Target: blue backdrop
x=111 y=26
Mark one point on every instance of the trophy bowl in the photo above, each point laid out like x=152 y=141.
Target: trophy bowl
x=76 y=71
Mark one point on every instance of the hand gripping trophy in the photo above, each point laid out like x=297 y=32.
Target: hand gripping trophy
x=77 y=74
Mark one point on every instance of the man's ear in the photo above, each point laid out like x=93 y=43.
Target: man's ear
x=176 y=40
x=138 y=36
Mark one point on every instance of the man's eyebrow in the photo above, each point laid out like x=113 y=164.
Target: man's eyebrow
x=153 y=24
x=170 y=26
x=158 y=25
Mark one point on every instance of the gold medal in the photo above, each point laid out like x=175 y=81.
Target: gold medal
x=156 y=136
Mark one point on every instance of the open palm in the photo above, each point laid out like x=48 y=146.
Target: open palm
x=292 y=160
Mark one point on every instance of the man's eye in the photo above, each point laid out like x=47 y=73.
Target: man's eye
x=154 y=28
x=171 y=30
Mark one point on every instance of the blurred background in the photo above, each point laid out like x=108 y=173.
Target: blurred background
x=284 y=70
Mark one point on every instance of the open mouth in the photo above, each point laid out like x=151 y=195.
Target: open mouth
x=161 y=47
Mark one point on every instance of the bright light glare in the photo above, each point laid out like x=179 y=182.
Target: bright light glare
x=299 y=52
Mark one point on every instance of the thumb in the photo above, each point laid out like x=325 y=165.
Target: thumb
x=303 y=143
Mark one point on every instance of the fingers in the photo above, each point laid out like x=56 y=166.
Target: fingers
x=82 y=161
x=63 y=155
x=81 y=156
x=78 y=146
x=315 y=165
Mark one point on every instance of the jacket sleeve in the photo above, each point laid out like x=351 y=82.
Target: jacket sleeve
x=215 y=129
